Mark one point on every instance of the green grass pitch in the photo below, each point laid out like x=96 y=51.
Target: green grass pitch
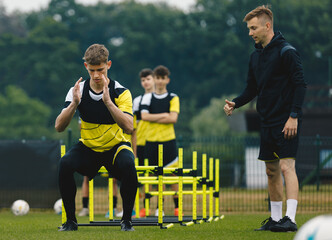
x=43 y=225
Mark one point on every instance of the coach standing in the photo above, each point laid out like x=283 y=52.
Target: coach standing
x=275 y=76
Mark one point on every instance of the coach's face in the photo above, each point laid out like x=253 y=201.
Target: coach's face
x=258 y=30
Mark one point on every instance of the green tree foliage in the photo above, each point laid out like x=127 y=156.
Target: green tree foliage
x=212 y=121
x=45 y=63
x=207 y=49
x=21 y=116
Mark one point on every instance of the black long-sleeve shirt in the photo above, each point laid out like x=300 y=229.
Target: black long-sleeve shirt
x=277 y=80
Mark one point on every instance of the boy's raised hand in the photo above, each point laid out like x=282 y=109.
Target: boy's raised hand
x=106 y=93
x=76 y=92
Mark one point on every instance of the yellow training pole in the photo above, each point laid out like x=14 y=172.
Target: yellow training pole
x=146 y=186
x=217 y=188
x=195 y=186
x=160 y=185
x=180 y=216
x=63 y=213
x=210 y=189
x=137 y=193
x=110 y=199
x=91 y=216
x=204 y=185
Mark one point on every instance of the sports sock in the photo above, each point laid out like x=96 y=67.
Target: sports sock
x=85 y=202
x=291 y=209
x=276 y=210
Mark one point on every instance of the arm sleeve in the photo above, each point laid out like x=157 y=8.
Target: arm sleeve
x=250 y=92
x=145 y=103
x=292 y=62
x=125 y=102
x=175 y=104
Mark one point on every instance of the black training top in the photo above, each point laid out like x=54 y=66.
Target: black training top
x=275 y=76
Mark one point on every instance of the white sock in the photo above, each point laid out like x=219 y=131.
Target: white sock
x=276 y=210
x=291 y=209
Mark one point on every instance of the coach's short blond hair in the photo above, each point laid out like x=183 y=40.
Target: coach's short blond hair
x=261 y=11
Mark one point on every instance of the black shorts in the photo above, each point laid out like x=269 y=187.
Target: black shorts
x=274 y=146
x=170 y=154
x=88 y=162
x=140 y=155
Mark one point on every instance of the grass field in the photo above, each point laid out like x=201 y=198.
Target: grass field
x=43 y=225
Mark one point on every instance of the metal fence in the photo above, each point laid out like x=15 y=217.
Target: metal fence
x=243 y=182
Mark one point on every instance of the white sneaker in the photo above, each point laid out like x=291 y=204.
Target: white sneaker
x=84 y=212
x=119 y=214
x=157 y=213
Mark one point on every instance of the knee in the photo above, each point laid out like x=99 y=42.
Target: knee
x=286 y=168
x=127 y=167
x=272 y=172
x=64 y=164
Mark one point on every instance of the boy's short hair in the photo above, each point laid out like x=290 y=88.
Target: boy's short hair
x=145 y=72
x=96 y=54
x=259 y=11
x=161 y=71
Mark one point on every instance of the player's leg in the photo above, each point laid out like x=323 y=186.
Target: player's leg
x=140 y=156
x=170 y=156
x=151 y=152
x=287 y=153
x=124 y=170
x=275 y=186
x=287 y=223
x=115 y=194
x=292 y=186
x=85 y=197
x=75 y=160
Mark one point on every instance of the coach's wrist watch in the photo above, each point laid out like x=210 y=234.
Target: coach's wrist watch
x=293 y=115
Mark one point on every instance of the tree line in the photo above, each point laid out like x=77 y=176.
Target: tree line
x=206 y=49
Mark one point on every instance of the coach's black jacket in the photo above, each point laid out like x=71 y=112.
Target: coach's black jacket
x=277 y=80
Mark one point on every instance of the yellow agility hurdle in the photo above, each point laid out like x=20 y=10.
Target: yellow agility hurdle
x=160 y=180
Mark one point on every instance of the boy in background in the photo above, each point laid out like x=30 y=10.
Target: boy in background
x=140 y=126
x=161 y=109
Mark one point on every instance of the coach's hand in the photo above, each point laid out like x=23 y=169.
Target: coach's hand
x=229 y=107
x=290 y=128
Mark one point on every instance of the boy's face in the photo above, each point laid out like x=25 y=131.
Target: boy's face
x=96 y=71
x=161 y=82
x=147 y=82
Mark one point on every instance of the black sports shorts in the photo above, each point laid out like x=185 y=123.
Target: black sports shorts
x=140 y=155
x=170 y=155
x=274 y=146
x=88 y=162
